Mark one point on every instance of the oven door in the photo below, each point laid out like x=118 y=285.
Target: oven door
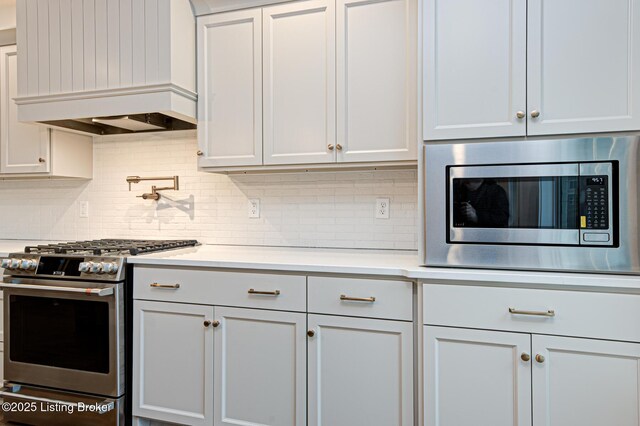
x=535 y=204
x=61 y=336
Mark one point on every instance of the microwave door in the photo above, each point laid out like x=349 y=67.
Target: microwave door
x=514 y=204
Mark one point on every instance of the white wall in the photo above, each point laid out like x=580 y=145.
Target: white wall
x=7 y=14
x=328 y=209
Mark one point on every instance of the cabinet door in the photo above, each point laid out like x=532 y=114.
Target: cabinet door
x=260 y=368
x=299 y=83
x=585 y=382
x=474 y=69
x=376 y=80
x=173 y=362
x=360 y=372
x=583 y=66
x=230 y=89
x=24 y=148
x=475 y=377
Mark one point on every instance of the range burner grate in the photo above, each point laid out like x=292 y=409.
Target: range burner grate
x=110 y=247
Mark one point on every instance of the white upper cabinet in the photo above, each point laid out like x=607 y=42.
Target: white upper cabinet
x=24 y=148
x=230 y=88
x=29 y=150
x=540 y=67
x=338 y=84
x=475 y=68
x=585 y=382
x=583 y=66
x=376 y=80
x=299 y=83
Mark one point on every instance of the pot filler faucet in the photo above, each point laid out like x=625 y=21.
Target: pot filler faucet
x=154 y=195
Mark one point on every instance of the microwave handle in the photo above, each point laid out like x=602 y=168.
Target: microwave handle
x=105 y=291
x=109 y=405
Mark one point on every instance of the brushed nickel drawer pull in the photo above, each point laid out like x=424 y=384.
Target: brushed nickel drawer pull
x=167 y=286
x=265 y=293
x=357 y=299
x=549 y=313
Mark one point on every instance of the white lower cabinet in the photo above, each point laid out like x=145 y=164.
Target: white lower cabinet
x=585 y=382
x=476 y=378
x=360 y=372
x=173 y=362
x=237 y=367
x=260 y=361
x=229 y=349
x=528 y=370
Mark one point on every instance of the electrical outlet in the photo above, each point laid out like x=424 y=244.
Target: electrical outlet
x=84 y=209
x=254 y=208
x=382 y=208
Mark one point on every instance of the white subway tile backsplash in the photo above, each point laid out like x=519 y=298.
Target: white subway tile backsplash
x=316 y=209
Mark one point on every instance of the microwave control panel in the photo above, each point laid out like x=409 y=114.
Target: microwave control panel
x=594 y=211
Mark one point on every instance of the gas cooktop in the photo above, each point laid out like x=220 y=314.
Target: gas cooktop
x=110 y=247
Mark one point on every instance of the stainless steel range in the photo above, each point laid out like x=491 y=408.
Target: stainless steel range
x=67 y=331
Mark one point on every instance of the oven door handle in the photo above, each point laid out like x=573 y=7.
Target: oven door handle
x=105 y=406
x=105 y=291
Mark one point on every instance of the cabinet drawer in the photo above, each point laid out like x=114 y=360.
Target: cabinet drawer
x=361 y=297
x=221 y=288
x=580 y=314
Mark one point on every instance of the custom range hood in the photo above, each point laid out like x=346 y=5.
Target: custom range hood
x=107 y=66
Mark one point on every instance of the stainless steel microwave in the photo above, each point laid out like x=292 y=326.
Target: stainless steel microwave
x=548 y=204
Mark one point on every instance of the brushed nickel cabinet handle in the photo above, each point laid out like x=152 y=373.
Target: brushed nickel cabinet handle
x=549 y=313
x=525 y=357
x=167 y=286
x=520 y=115
x=207 y=323
x=265 y=293
x=311 y=333
x=540 y=358
x=42 y=160
x=199 y=153
x=339 y=147
x=535 y=113
x=357 y=299
x=215 y=323
x=330 y=146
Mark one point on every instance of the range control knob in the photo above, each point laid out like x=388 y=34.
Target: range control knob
x=95 y=268
x=5 y=263
x=28 y=264
x=15 y=264
x=84 y=267
x=110 y=268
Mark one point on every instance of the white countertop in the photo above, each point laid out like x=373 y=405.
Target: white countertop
x=389 y=263
x=337 y=261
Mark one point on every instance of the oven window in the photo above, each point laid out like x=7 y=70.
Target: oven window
x=64 y=333
x=520 y=202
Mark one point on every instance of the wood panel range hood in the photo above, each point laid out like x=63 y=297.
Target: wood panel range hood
x=106 y=67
